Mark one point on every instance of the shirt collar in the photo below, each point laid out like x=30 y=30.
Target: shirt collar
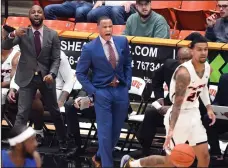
x=104 y=41
x=40 y=30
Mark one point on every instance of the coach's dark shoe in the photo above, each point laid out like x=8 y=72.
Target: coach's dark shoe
x=95 y=162
x=39 y=139
x=62 y=146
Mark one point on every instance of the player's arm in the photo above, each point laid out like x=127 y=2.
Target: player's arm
x=182 y=78
x=15 y=61
x=205 y=97
x=37 y=158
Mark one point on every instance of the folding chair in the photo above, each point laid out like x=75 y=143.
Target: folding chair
x=220 y=114
x=59 y=25
x=137 y=87
x=44 y=3
x=184 y=33
x=192 y=14
x=86 y=27
x=18 y=21
x=78 y=86
x=165 y=8
x=118 y=29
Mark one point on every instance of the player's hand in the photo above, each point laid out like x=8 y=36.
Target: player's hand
x=161 y=101
x=20 y=31
x=212 y=116
x=211 y=20
x=11 y=96
x=77 y=102
x=163 y=110
x=167 y=140
x=127 y=6
x=48 y=79
x=98 y=4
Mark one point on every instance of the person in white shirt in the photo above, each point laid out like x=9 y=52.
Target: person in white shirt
x=64 y=85
x=118 y=11
x=9 y=59
x=64 y=81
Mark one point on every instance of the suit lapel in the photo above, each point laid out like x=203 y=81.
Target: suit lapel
x=100 y=50
x=45 y=36
x=118 y=50
x=31 y=38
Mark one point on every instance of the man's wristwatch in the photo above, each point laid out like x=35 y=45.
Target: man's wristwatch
x=53 y=75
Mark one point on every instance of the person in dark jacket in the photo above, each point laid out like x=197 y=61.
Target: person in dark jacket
x=217 y=28
x=221 y=126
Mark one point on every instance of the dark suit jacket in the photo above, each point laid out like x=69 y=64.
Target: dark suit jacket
x=163 y=74
x=221 y=96
x=48 y=60
x=94 y=58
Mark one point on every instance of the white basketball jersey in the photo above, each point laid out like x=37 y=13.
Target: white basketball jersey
x=195 y=87
x=7 y=66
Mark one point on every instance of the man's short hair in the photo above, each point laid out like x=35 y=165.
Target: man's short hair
x=199 y=39
x=138 y=1
x=102 y=18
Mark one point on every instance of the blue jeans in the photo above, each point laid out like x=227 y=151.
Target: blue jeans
x=116 y=13
x=78 y=10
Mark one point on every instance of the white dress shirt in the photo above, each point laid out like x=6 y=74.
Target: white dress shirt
x=65 y=78
x=106 y=49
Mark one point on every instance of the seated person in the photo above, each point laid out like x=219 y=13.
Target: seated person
x=146 y=22
x=217 y=28
x=70 y=8
x=153 y=117
x=9 y=60
x=220 y=126
x=23 y=149
x=73 y=108
x=64 y=86
x=118 y=11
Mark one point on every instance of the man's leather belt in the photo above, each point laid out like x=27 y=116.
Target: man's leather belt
x=37 y=73
x=113 y=84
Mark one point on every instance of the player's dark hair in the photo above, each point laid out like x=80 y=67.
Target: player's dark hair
x=199 y=39
x=102 y=18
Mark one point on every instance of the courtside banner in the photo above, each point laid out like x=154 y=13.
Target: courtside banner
x=146 y=59
x=72 y=48
x=218 y=60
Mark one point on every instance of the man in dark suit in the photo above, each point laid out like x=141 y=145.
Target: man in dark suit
x=37 y=68
x=221 y=126
x=153 y=117
x=109 y=59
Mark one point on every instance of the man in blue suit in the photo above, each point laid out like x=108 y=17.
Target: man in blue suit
x=109 y=59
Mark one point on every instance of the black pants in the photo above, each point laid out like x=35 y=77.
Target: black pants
x=213 y=132
x=148 y=128
x=72 y=119
x=48 y=92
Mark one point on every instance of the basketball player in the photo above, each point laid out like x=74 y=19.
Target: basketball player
x=183 y=121
x=23 y=149
x=9 y=60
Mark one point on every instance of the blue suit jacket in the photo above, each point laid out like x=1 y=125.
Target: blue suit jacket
x=94 y=58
